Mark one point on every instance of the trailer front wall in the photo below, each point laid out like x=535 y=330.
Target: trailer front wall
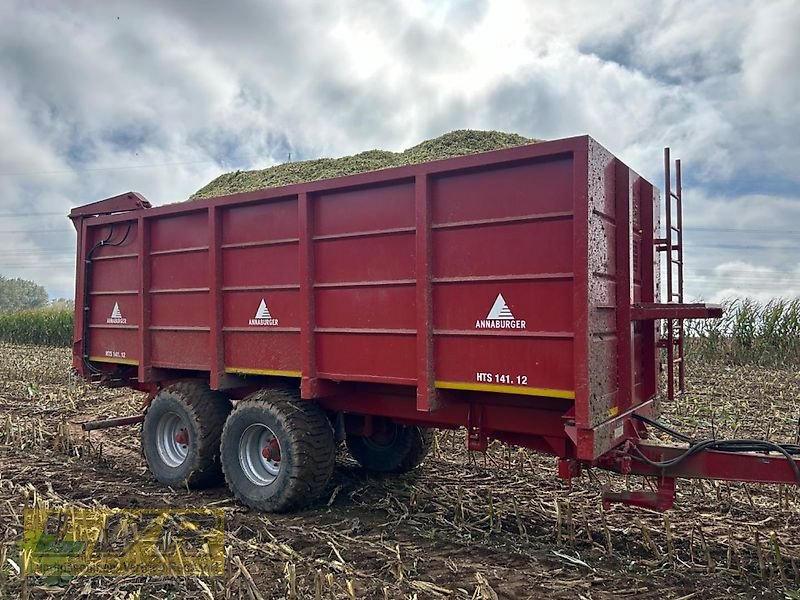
x=113 y=295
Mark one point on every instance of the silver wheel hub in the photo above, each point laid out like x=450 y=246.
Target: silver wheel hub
x=260 y=454
x=172 y=440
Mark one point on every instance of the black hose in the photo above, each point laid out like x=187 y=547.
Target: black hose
x=696 y=446
x=664 y=428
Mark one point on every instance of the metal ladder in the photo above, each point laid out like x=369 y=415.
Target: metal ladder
x=672 y=245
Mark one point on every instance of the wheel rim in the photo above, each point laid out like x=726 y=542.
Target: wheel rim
x=260 y=454
x=172 y=440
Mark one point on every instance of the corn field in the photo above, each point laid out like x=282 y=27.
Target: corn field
x=40 y=326
x=766 y=334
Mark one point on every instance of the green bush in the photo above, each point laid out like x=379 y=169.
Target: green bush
x=40 y=326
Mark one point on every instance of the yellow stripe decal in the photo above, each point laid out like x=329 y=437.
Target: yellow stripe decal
x=244 y=371
x=505 y=389
x=121 y=361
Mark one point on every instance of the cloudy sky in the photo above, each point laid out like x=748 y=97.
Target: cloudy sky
x=98 y=98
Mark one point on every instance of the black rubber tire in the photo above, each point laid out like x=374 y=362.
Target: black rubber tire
x=405 y=451
x=204 y=412
x=307 y=451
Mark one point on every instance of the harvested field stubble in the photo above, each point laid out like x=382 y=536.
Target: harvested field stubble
x=465 y=525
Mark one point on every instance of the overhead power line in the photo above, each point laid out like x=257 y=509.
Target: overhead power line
x=114 y=168
x=741 y=246
x=36 y=231
x=690 y=229
x=34 y=214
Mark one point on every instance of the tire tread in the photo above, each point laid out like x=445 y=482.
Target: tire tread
x=311 y=436
x=207 y=410
x=408 y=452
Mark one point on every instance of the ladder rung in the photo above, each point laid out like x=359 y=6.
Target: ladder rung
x=676 y=261
x=674 y=195
x=675 y=229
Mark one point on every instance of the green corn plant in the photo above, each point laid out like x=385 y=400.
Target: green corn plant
x=41 y=327
x=750 y=332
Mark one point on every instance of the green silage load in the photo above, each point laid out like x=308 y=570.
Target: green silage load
x=455 y=143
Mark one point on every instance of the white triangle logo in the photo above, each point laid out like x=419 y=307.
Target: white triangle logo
x=263 y=311
x=116 y=313
x=263 y=316
x=116 y=317
x=500 y=310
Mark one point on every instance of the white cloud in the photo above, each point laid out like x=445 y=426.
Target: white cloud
x=183 y=91
x=741 y=279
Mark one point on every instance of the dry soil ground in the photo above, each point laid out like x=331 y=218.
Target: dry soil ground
x=499 y=525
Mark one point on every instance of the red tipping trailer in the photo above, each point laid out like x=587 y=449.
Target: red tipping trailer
x=514 y=293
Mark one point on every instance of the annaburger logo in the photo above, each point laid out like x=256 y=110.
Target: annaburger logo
x=116 y=317
x=499 y=317
x=263 y=316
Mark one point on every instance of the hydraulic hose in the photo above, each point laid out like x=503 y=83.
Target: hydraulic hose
x=696 y=446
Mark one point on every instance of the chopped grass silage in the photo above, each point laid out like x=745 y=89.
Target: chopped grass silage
x=40 y=326
x=749 y=332
x=455 y=143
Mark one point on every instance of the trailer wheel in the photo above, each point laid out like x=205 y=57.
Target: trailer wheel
x=278 y=452
x=392 y=448
x=181 y=433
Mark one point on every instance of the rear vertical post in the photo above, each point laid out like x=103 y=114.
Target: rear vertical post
x=581 y=202
x=624 y=286
x=80 y=298
x=426 y=390
x=646 y=259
